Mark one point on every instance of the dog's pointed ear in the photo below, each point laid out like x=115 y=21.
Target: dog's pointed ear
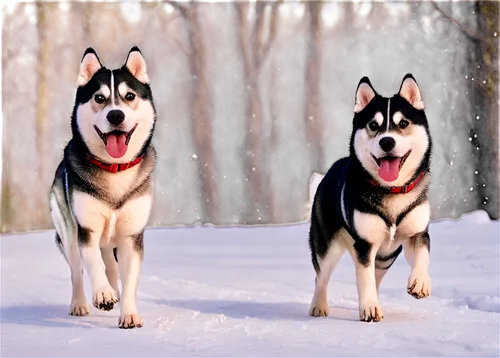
x=89 y=66
x=136 y=65
x=409 y=90
x=364 y=94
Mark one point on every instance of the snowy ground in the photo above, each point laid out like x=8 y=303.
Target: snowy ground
x=246 y=291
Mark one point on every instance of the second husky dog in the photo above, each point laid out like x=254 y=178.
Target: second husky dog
x=374 y=202
x=101 y=196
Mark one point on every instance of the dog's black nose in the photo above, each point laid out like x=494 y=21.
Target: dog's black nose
x=115 y=117
x=387 y=144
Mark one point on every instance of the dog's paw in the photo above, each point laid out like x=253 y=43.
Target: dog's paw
x=130 y=320
x=419 y=286
x=318 y=310
x=79 y=309
x=370 y=312
x=105 y=299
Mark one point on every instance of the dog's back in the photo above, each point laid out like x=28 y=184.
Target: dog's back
x=326 y=216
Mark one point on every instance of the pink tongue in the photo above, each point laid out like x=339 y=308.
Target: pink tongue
x=115 y=144
x=389 y=169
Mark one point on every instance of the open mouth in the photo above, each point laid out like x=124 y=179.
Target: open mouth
x=389 y=166
x=116 y=142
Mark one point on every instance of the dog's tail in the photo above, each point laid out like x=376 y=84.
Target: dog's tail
x=313 y=187
x=314 y=255
x=313 y=240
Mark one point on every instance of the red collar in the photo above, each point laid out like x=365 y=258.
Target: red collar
x=400 y=189
x=113 y=168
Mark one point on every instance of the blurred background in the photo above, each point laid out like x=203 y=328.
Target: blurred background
x=252 y=98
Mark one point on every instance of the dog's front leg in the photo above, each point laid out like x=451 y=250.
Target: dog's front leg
x=416 y=250
x=103 y=295
x=130 y=255
x=369 y=307
x=91 y=219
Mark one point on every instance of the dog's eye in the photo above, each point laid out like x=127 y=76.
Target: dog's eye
x=373 y=126
x=130 y=96
x=403 y=124
x=99 y=98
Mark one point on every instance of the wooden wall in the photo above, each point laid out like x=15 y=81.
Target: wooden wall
x=263 y=101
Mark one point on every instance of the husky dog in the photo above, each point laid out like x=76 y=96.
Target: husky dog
x=101 y=195
x=374 y=202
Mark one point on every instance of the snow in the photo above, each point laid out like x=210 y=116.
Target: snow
x=476 y=217
x=246 y=291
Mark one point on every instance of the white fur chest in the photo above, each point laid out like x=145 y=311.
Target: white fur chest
x=386 y=238
x=110 y=224
x=370 y=227
x=395 y=204
x=380 y=233
x=119 y=184
x=102 y=218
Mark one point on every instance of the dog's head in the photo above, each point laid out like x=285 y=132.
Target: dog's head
x=114 y=114
x=391 y=135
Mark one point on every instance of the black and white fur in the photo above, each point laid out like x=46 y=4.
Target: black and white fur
x=373 y=224
x=100 y=216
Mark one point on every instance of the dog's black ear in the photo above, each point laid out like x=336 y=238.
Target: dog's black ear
x=88 y=67
x=364 y=94
x=136 y=65
x=92 y=51
x=134 y=48
x=410 y=91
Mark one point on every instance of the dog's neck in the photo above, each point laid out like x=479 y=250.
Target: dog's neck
x=113 y=168
x=363 y=179
x=399 y=189
x=83 y=158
